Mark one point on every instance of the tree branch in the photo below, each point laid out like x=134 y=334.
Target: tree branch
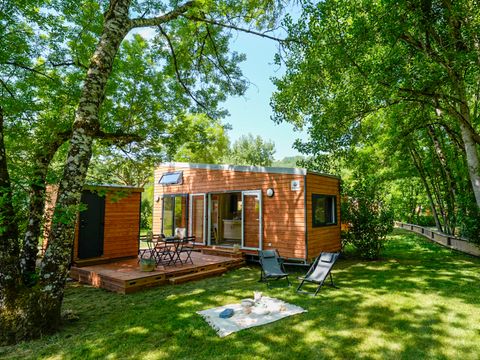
x=159 y=20
x=7 y=88
x=25 y=67
x=177 y=72
x=234 y=27
x=119 y=137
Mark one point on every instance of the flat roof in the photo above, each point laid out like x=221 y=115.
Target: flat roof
x=243 y=168
x=113 y=186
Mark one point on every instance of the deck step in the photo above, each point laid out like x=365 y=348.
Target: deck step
x=197 y=275
x=223 y=252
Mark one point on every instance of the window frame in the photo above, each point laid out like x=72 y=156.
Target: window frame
x=182 y=196
x=315 y=223
x=179 y=180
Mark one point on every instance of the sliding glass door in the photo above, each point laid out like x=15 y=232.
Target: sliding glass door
x=174 y=214
x=235 y=218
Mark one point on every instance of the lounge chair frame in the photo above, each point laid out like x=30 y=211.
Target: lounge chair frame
x=271 y=267
x=319 y=281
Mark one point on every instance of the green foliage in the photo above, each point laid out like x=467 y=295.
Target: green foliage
x=391 y=87
x=469 y=218
x=251 y=150
x=367 y=214
x=146 y=211
x=289 y=161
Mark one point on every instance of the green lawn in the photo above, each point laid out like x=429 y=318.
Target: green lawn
x=420 y=301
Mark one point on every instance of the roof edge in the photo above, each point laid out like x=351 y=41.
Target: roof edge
x=244 y=168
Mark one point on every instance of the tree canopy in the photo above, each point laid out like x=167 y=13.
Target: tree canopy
x=251 y=150
x=394 y=83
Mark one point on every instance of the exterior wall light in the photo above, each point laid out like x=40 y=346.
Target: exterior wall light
x=270 y=192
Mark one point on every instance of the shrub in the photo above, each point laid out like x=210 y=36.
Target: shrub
x=368 y=216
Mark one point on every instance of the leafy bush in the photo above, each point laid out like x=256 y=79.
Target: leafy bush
x=469 y=219
x=146 y=210
x=424 y=220
x=368 y=216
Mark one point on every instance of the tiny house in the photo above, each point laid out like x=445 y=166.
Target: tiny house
x=292 y=210
x=108 y=228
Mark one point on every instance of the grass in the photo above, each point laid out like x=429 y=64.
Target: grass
x=420 y=301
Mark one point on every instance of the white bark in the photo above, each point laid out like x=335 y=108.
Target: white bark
x=473 y=162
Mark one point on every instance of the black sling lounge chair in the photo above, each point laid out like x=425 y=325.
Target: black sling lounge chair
x=319 y=271
x=272 y=266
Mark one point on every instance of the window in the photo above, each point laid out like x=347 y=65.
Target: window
x=324 y=210
x=172 y=178
x=174 y=214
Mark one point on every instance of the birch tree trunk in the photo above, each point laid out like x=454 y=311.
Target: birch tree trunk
x=473 y=162
x=42 y=157
x=423 y=177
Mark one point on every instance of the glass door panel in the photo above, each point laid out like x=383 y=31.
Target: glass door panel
x=174 y=213
x=197 y=217
x=168 y=215
x=252 y=219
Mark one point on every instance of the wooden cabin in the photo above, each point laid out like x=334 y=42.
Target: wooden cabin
x=292 y=210
x=109 y=228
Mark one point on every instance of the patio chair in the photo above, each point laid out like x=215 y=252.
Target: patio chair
x=186 y=247
x=272 y=266
x=149 y=240
x=163 y=251
x=318 y=272
x=180 y=232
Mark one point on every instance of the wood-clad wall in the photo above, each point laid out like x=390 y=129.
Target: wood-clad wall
x=121 y=222
x=283 y=214
x=323 y=238
x=122 y=226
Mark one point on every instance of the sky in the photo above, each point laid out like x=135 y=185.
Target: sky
x=251 y=112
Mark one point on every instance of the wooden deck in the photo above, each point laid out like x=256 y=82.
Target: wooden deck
x=125 y=277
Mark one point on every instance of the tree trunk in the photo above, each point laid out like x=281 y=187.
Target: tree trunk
x=473 y=162
x=449 y=181
x=10 y=279
x=417 y=163
x=42 y=159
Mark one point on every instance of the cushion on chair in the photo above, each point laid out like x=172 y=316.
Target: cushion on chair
x=267 y=254
x=326 y=257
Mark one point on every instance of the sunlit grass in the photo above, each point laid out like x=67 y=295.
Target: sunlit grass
x=419 y=301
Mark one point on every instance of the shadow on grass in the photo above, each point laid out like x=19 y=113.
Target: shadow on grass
x=419 y=301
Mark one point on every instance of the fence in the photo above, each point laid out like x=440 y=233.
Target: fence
x=449 y=241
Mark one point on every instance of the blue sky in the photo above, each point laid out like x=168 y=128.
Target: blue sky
x=251 y=112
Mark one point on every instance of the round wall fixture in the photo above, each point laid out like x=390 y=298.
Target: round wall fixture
x=270 y=192
x=157 y=199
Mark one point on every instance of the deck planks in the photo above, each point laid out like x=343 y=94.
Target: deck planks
x=125 y=277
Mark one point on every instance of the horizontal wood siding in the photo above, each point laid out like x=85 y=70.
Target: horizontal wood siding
x=283 y=214
x=323 y=238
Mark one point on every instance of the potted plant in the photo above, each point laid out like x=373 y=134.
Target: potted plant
x=147 y=264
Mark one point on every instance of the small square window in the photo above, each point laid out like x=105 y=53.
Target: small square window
x=172 y=178
x=324 y=210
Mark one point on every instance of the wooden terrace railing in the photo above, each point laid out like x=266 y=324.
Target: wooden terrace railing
x=449 y=241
